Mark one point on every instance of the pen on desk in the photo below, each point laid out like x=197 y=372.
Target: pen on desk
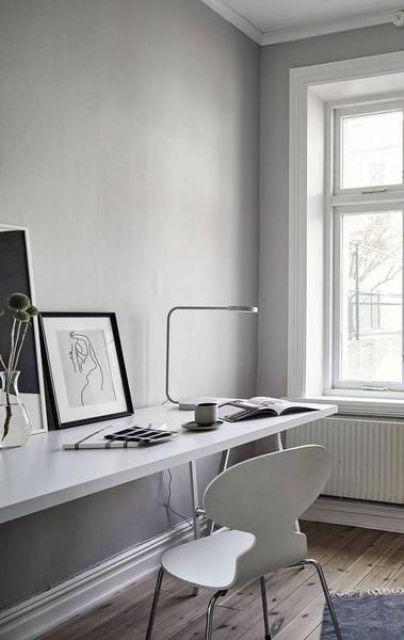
x=77 y=444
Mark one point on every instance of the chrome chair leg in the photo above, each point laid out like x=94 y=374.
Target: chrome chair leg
x=323 y=581
x=154 y=604
x=209 y=613
x=265 y=609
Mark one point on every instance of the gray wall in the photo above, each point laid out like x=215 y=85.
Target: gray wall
x=277 y=60
x=129 y=145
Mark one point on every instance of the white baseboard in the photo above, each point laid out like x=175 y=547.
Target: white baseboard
x=29 y=619
x=354 y=513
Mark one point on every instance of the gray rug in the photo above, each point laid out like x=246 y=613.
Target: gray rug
x=366 y=616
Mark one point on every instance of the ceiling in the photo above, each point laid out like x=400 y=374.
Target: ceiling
x=270 y=21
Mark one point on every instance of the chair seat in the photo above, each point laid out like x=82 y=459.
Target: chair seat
x=209 y=562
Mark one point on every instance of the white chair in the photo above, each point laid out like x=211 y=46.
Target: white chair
x=258 y=501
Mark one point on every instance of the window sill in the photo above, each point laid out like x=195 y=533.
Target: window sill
x=351 y=405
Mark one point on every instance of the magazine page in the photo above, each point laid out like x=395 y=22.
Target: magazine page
x=280 y=406
x=276 y=404
x=236 y=408
x=239 y=409
x=259 y=406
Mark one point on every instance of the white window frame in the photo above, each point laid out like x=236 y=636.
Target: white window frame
x=387 y=103
x=337 y=202
x=387 y=70
x=360 y=385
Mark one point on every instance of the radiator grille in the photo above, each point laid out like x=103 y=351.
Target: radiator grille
x=367 y=456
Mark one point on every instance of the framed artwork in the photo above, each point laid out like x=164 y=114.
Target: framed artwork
x=16 y=274
x=85 y=368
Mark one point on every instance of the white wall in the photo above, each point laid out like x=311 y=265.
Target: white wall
x=129 y=145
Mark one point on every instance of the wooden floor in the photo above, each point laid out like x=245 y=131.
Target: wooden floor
x=353 y=559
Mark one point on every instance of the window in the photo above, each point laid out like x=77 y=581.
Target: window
x=367 y=208
x=371 y=149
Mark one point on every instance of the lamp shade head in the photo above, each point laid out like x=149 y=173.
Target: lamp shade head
x=243 y=308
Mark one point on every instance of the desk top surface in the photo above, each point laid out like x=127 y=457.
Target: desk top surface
x=41 y=474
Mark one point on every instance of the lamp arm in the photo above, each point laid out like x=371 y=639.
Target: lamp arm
x=193 y=308
x=168 y=355
x=168 y=331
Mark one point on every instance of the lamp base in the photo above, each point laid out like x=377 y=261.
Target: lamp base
x=189 y=404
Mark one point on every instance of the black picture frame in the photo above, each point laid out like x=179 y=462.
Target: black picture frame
x=84 y=362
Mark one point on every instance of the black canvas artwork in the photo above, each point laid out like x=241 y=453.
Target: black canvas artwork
x=14 y=276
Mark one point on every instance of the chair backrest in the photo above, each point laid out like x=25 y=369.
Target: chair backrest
x=265 y=496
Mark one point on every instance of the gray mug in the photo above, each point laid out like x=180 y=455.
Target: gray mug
x=206 y=413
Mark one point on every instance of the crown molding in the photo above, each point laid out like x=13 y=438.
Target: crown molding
x=235 y=19
x=333 y=26
x=297 y=33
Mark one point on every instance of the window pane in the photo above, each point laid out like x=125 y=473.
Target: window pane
x=371 y=296
x=372 y=149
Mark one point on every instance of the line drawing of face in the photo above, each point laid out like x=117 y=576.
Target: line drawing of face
x=85 y=364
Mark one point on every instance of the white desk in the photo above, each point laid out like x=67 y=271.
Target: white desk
x=42 y=475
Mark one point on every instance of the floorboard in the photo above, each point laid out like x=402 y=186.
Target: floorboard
x=352 y=559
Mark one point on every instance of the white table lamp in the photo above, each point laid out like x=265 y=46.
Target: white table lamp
x=189 y=404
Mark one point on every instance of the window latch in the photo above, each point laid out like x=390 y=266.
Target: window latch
x=373 y=387
x=369 y=191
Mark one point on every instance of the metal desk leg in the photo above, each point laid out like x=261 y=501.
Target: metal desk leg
x=195 y=499
x=195 y=507
x=224 y=463
x=279 y=444
x=196 y=510
x=224 y=460
x=279 y=447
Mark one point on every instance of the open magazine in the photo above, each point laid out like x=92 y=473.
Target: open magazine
x=236 y=410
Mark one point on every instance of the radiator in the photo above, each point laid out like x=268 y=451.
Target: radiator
x=367 y=456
